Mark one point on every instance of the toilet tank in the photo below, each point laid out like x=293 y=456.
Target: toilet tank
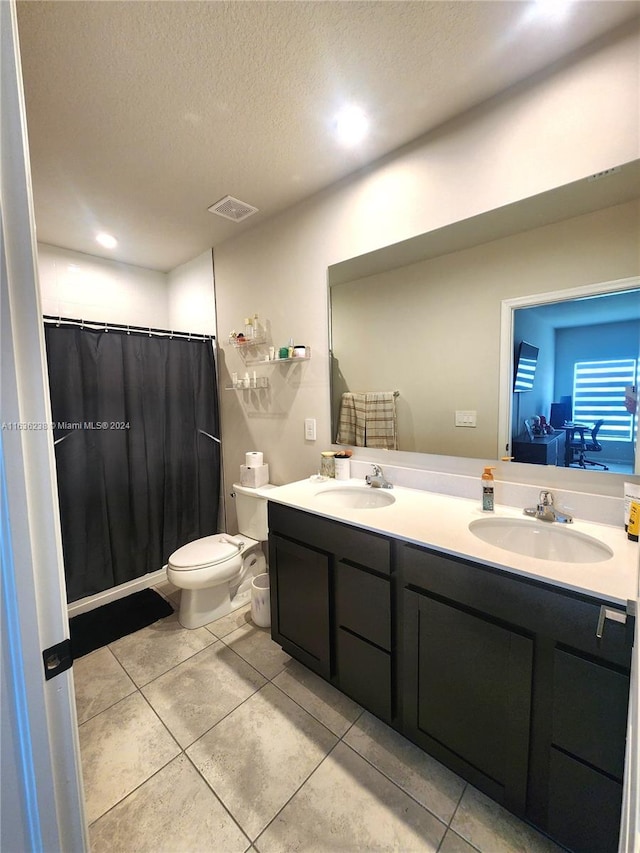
x=251 y=509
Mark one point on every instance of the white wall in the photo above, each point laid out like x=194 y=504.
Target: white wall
x=192 y=304
x=582 y=119
x=85 y=287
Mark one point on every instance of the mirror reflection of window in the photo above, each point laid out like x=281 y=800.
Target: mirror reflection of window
x=589 y=356
x=525 y=367
x=600 y=393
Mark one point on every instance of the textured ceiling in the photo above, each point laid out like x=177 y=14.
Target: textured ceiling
x=142 y=114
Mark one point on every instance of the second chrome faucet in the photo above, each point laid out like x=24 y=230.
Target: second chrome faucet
x=546 y=511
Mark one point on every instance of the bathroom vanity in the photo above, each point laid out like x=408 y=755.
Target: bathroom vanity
x=511 y=670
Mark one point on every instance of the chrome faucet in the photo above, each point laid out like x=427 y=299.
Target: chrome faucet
x=546 y=511
x=377 y=480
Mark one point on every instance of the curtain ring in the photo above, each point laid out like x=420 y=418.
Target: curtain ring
x=171 y=335
x=82 y=324
x=59 y=321
x=106 y=327
x=128 y=331
x=150 y=335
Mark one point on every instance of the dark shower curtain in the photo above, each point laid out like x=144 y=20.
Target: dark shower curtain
x=137 y=478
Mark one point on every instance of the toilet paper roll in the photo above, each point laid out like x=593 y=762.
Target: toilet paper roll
x=253 y=459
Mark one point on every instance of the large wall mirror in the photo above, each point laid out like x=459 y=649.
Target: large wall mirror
x=423 y=318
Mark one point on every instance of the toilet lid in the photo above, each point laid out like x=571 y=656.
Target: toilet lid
x=202 y=552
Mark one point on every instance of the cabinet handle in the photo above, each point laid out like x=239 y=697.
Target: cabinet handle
x=609 y=613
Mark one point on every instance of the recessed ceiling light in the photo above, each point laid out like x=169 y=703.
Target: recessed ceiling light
x=106 y=240
x=351 y=125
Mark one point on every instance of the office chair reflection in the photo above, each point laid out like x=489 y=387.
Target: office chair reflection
x=580 y=445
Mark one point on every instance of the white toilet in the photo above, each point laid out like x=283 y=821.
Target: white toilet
x=215 y=572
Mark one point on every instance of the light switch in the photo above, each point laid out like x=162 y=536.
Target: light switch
x=466 y=419
x=310 y=429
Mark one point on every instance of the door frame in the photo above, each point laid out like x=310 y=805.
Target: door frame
x=41 y=767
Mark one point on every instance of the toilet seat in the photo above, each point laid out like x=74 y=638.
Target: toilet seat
x=203 y=553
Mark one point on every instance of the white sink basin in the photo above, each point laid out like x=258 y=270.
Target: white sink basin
x=541 y=539
x=355 y=497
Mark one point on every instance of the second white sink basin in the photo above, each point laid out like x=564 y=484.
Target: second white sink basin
x=541 y=539
x=355 y=497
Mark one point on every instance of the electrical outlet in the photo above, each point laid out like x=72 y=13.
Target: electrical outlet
x=466 y=419
x=310 y=429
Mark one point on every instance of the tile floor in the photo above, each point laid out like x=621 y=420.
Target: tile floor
x=216 y=740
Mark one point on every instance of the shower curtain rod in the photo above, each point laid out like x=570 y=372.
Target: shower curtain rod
x=119 y=327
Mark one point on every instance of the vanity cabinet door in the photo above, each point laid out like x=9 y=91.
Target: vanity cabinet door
x=467 y=694
x=299 y=581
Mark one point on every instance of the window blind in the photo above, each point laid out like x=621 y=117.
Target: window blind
x=599 y=392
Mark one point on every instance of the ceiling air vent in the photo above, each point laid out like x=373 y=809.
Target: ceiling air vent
x=233 y=208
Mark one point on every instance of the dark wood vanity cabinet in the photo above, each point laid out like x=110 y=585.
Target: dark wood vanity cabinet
x=331 y=603
x=506 y=681
x=501 y=678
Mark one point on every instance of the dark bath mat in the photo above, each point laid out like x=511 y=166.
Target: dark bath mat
x=99 y=627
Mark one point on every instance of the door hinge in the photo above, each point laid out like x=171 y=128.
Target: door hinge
x=57 y=659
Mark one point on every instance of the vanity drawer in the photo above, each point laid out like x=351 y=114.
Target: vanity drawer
x=363 y=604
x=584 y=806
x=350 y=543
x=364 y=673
x=590 y=711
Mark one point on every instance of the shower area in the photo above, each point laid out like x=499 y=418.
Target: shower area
x=135 y=422
x=135 y=419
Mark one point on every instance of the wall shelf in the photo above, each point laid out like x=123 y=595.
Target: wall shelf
x=247 y=343
x=271 y=361
x=261 y=383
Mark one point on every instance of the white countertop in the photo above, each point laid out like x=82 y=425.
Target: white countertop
x=441 y=522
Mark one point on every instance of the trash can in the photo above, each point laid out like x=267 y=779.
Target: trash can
x=260 y=604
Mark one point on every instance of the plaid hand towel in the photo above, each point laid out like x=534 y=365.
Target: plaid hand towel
x=380 y=420
x=368 y=420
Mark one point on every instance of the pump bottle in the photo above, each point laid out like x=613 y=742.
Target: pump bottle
x=487 y=488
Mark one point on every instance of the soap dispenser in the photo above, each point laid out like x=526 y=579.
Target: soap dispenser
x=487 y=488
